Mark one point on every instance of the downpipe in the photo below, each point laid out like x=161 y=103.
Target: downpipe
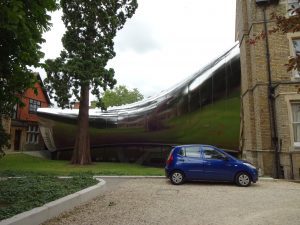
x=271 y=97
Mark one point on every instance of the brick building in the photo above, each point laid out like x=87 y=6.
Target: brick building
x=24 y=129
x=270 y=99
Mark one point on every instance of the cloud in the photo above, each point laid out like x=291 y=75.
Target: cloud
x=164 y=42
x=53 y=45
x=136 y=36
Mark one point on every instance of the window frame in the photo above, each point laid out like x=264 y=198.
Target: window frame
x=291 y=37
x=184 y=148
x=296 y=144
x=32 y=134
x=14 y=113
x=34 y=105
x=214 y=149
x=289 y=4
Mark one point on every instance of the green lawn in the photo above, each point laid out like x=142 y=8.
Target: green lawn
x=21 y=164
x=217 y=124
x=40 y=185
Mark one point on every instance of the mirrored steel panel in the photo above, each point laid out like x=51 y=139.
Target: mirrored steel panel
x=203 y=108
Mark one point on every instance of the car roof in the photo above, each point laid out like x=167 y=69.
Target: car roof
x=191 y=145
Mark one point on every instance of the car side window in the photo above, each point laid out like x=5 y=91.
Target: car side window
x=211 y=153
x=181 y=152
x=192 y=151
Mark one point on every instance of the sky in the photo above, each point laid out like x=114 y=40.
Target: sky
x=163 y=43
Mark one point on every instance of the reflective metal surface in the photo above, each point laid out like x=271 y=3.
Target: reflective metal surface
x=170 y=117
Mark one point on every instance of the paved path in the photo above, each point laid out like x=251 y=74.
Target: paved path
x=156 y=201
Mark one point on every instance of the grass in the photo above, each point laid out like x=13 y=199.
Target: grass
x=40 y=184
x=23 y=194
x=216 y=124
x=21 y=164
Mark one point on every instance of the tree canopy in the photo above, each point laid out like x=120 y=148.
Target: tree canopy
x=88 y=42
x=21 y=26
x=22 y=23
x=120 y=95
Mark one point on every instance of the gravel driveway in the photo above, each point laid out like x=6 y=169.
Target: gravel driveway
x=156 y=201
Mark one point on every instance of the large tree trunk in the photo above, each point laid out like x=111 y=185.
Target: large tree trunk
x=82 y=152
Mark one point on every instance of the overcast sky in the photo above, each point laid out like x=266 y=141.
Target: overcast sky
x=164 y=42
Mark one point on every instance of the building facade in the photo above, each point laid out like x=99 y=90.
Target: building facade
x=24 y=128
x=270 y=96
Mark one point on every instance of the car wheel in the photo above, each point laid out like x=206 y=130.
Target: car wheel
x=243 y=179
x=177 y=177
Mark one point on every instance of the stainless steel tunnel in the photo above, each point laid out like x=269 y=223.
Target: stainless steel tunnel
x=146 y=130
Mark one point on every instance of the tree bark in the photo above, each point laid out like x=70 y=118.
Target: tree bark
x=82 y=152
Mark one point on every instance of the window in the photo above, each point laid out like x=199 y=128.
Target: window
x=34 y=105
x=292 y=4
x=190 y=151
x=296 y=46
x=32 y=134
x=14 y=112
x=296 y=123
x=181 y=152
x=211 y=153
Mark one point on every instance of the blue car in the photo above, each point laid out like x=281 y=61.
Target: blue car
x=207 y=163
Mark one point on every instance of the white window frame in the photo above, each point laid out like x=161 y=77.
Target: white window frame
x=32 y=134
x=34 y=105
x=291 y=37
x=289 y=6
x=293 y=123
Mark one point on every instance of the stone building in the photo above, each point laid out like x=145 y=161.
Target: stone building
x=270 y=96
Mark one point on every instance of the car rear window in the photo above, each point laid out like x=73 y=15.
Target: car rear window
x=171 y=152
x=190 y=151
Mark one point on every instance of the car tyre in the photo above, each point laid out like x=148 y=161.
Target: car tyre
x=243 y=179
x=177 y=177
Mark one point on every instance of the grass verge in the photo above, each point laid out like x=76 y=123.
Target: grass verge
x=40 y=186
x=22 y=194
x=21 y=164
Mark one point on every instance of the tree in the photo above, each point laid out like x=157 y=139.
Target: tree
x=22 y=23
x=120 y=96
x=285 y=25
x=88 y=42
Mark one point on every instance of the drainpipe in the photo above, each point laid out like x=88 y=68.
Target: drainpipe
x=271 y=95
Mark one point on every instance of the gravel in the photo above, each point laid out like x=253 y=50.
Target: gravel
x=156 y=201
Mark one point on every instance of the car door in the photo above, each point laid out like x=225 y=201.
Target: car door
x=217 y=166
x=191 y=162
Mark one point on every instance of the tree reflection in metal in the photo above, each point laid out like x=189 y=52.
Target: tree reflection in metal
x=147 y=121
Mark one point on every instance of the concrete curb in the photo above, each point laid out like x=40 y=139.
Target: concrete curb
x=271 y=179
x=267 y=179
x=164 y=177
x=41 y=214
x=128 y=177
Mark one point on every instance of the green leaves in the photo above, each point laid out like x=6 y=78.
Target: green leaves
x=88 y=42
x=21 y=25
x=120 y=96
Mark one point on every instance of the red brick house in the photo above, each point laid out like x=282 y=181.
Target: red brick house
x=24 y=130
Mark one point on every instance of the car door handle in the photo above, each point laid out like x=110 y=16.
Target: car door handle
x=181 y=160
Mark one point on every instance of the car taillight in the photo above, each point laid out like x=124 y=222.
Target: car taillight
x=170 y=159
